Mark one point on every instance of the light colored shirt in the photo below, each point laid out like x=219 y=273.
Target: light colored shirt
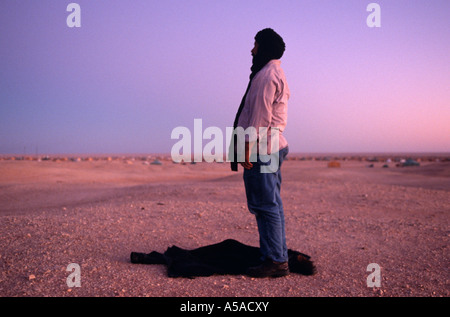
x=266 y=106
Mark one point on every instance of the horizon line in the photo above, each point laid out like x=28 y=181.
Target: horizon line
x=311 y=153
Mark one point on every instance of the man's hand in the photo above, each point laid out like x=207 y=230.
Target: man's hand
x=247 y=164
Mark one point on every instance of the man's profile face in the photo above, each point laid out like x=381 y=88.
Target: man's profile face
x=254 y=50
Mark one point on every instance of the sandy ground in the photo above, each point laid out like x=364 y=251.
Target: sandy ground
x=95 y=213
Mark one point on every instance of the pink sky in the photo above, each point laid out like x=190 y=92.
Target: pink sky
x=135 y=70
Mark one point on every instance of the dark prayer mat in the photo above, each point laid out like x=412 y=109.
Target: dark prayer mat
x=227 y=257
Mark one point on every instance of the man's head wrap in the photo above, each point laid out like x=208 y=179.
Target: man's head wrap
x=270 y=46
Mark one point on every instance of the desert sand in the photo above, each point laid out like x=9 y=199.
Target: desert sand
x=95 y=212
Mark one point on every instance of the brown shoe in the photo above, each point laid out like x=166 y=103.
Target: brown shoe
x=269 y=268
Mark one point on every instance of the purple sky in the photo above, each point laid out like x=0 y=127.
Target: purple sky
x=137 y=69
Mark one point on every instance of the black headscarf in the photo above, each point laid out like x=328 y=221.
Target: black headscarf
x=270 y=46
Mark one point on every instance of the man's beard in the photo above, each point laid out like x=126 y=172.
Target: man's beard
x=259 y=60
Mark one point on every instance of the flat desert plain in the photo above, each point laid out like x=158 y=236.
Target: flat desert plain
x=95 y=212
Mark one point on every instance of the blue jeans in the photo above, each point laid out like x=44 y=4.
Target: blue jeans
x=264 y=201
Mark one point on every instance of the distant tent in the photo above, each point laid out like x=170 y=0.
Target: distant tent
x=410 y=162
x=156 y=162
x=334 y=164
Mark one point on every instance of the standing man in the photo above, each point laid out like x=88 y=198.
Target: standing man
x=263 y=115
